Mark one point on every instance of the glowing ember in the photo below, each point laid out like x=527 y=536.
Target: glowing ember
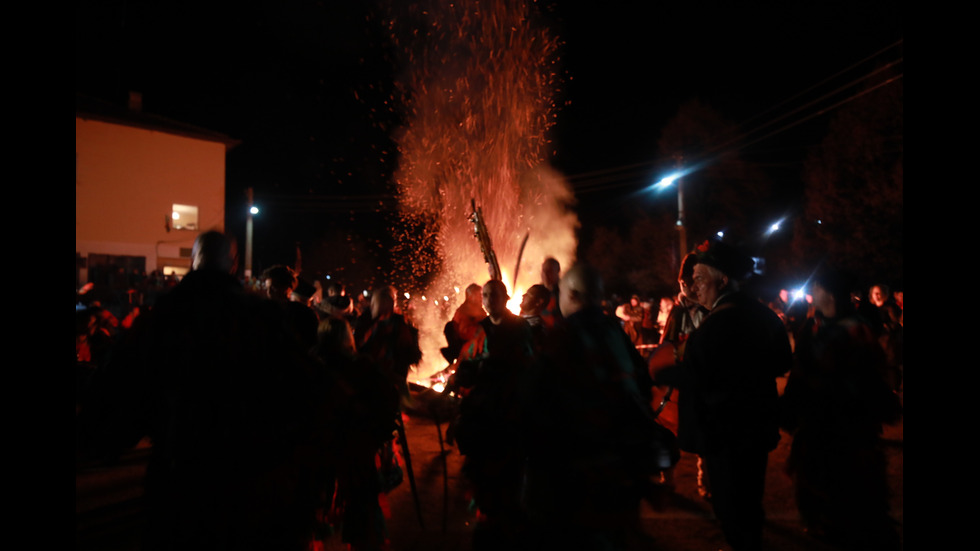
x=478 y=100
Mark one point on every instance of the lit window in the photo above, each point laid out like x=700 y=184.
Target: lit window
x=184 y=217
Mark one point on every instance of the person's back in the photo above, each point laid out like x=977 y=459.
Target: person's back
x=389 y=340
x=232 y=408
x=594 y=435
x=834 y=404
x=732 y=361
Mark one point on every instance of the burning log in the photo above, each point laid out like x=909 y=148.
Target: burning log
x=483 y=236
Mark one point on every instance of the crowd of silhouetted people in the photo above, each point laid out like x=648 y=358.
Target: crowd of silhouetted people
x=275 y=410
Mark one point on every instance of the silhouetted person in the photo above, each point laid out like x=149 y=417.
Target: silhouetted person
x=490 y=370
x=363 y=406
x=462 y=328
x=233 y=409
x=593 y=438
x=551 y=314
x=728 y=401
x=280 y=282
x=532 y=304
x=336 y=303
x=631 y=314
x=390 y=341
x=835 y=402
x=685 y=316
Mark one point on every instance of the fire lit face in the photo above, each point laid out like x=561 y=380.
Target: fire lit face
x=877 y=296
x=474 y=295
x=530 y=304
x=823 y=301
x=495 y=299
x=550 y=273
x=687 y=288
x=708 y=284
x=382 y=305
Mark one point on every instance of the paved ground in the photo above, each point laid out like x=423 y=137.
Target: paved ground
x=108 y=503
x=682 y=522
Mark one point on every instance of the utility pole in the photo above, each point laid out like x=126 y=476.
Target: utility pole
x=681 y=229
x=248 y=234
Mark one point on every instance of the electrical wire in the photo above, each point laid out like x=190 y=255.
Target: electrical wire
x=627 y=176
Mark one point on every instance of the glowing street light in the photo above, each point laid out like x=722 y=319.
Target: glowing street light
x=665 y=183
x=252 y=210
x=775 y=227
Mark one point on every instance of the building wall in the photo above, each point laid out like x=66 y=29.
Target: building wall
x=126 y=182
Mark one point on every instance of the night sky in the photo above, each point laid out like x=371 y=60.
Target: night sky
x=304 y=85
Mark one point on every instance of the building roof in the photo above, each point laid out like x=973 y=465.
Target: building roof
x=89 y=108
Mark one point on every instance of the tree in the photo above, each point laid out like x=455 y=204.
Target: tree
x=722 y=191
x=644 y=261
x=854 y=206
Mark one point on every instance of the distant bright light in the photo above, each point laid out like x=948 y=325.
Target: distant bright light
x=775 y=227
x=799 y=293
x=445 y=298
x=456 y=289
x=365 y=293
x=328 y=277
x=423 y=297
x=668 y=180
x=175 y=215
x=720 y=234
x=819 y=222
x=407 y=295
x=672 y=178
x=254 y=210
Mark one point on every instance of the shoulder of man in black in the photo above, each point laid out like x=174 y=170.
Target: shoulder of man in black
x=739 y=330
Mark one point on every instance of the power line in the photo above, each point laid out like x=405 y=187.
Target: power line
x=627 y=176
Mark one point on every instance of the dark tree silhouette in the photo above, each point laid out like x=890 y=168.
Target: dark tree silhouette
x=853 y=212
x=643 y=261
x=722 y=191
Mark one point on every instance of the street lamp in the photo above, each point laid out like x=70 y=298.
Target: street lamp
x=665 y=183
x=775 y=227
x=252 y=210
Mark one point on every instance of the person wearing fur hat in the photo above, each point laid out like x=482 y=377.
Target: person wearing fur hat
x=728 y=411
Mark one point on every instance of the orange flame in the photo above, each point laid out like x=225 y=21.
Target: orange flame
x=478 y=99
